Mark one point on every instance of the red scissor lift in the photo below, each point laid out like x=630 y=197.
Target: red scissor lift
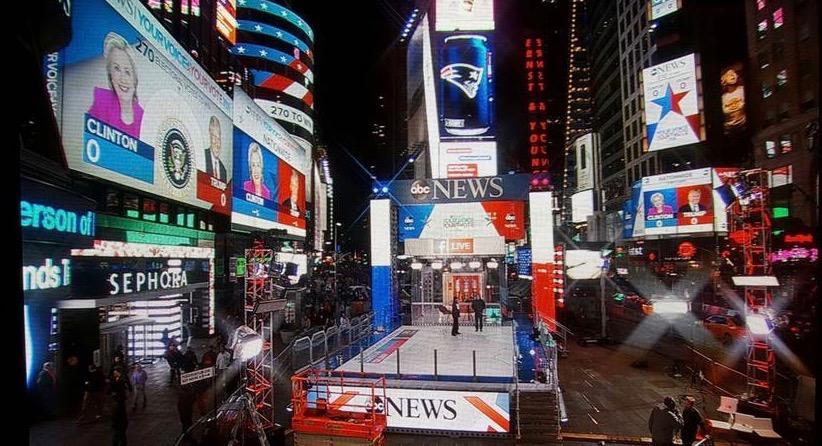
x=338 y=404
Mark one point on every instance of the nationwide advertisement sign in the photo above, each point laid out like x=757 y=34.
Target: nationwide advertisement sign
x=441 y=410
x=686 y=202
x=270 y=168
x=661 y=8
x=113 y=276
x=461 y=190
x=465 y=15
x=454 y=220
x=466 y=86
x=673 y=104
x=733 y=98
x=139 y=111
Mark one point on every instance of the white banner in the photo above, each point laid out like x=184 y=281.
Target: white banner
x=286 y=113
x=465 y=411
x=585 y=161
x=197 y=375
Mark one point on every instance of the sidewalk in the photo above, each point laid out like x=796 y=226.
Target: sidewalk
x=159 y=424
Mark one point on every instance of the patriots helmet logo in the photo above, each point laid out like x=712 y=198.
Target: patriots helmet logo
x=465 y=76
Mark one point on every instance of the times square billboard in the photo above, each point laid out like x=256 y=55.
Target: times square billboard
x=139 y=111
x=458 y=83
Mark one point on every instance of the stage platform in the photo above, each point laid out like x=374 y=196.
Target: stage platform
x=494 y=349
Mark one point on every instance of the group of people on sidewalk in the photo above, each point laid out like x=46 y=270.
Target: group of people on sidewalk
x=665 y=421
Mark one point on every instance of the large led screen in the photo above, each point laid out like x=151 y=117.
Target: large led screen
x=139 y=111
x=465 y=15
x=462 y=220
x=270 y=189
x=582 y=206
x=681 y=203
x=673 y=105
x=581 y=264
x=466 y=86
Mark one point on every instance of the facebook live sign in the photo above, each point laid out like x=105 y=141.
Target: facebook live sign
x=197 y=375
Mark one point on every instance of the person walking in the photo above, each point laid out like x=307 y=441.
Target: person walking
x=94 y=391
x=209 y=358
x=165 y=338
x=171 y=356
x=189 y=362
x=139 y=378
x=692 y=421
x=47 y=388
x=455 y=316
x=185 y=406
x=120 y=387
x=478 y=305
x=664 y=422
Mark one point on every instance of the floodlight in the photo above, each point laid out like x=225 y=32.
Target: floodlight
x=759 y=324
x=456 y=265
x=416 y=266
x=247 y=343
x=436 y=265
x=474 y=264
x=492 y=264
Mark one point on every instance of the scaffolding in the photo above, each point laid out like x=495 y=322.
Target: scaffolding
x=259 y=286
x=750 y=228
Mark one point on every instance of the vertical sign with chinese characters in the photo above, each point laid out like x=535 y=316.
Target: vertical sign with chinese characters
x=537 y=112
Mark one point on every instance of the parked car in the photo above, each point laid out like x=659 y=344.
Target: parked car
x=725 y=328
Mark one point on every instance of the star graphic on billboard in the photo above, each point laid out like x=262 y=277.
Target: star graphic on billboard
x=670 y=102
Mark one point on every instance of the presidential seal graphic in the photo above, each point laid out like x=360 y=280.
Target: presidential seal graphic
x=176 y=152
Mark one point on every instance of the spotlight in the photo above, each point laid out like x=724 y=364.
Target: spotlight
x=375 y=190
x=384 y=189
x=492 y=264
x=416 y=266
x=247 y=343
x=456 y=265
x=759 y=324
x=436 y=265
x=411 y=160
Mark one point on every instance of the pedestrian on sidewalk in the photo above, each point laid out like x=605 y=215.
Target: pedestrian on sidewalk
x=189 y=362
x=95 y=384
x=478 y=305
x=164 y=338
x=173 y=357
x=47 y=389
x=455 y=316
x=692 y=422
x=120 y=388
x=139 y=378
x=664 y=422
x=185 y=406
x=209 y=358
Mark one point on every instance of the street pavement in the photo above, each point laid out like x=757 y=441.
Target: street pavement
x=159 y=424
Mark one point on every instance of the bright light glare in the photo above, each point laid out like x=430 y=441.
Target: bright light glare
x=492 y=264
x=759 y=324
x=416 y=266
x=456 y=265
x=474 y=264
x=675 y=307
x=436 y=265
x=251 y=348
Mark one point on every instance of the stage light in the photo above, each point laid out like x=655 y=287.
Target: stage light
x=759 y=324
x=384 y=190
x=474 y=264
x=416 y=266
x=670 y=307
x=410 y=160
x=375 y=190
x=456 y=265
x=247 y=343
x=492 y=264
x=436 y=265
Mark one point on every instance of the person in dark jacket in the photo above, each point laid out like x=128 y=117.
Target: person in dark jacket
x=664 y=422
x=120 y=388
x=692 y=421
x=455 y=315
x=47 y=389
x=174 y=358
x=478 y=305
x=95 y=387
x=190 y=362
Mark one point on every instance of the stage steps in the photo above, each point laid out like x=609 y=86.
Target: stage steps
x=538 y=417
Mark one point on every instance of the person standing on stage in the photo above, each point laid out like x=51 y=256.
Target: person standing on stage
x=478 y=305
x=455 y=315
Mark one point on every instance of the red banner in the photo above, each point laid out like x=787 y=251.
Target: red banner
x=215 y=192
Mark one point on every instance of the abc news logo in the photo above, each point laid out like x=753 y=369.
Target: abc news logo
x=420 y=190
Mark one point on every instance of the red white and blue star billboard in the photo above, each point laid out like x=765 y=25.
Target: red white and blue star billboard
x=673 y=104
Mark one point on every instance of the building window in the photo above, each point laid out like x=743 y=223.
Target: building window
x=781 y=79
x=767 y=91
x=777 y=18
x=763 y=60
x=785 y=144
x=131 y=205
x=770 y=149
x=778 y=51
x=804 y=31
x=760 y=5
x=770 y=116
x=762 y=29
x=784 y=111
x=807 y=101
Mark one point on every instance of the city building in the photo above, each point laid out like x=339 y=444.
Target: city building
x=783 y=94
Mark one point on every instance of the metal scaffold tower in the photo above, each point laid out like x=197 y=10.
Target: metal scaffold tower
x=750 y=226
x=258 y=287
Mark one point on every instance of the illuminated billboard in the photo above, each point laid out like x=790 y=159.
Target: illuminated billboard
x=661 y=8
x=733 y=98
x=468 y=159
x=464 y=15
x=583 y=264
x=270 y=168
x=582 y=206
x=673 y=104
x=227 y=19
x=139 y=111
x=681 y=203
x=585 y=166
x=466 y=86
x=466 y=220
